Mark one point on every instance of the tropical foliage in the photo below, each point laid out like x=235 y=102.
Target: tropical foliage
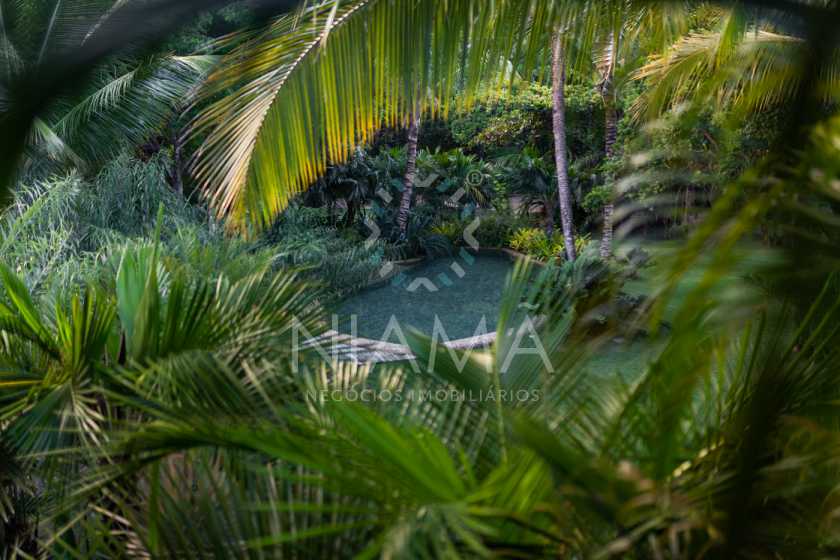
x=534 y=242
x=169 y=386
x=252 y=169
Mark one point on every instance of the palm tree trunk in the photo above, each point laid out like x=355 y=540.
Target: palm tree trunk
x=558 y=69
x=410 y=172
x=610 y=127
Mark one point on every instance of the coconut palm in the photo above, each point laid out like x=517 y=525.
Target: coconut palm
x=275 y=80
x=77 y=86
x=627 y=32
x=410 y=173
x=745 y=65
x=558 y=119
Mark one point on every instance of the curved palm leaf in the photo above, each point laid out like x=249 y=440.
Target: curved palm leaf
x=301 y=93
x=313 y=85
x=131 y=105
x=48 y=49
x=749 y=71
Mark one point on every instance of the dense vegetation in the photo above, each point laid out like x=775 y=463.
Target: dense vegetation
x=181 y=218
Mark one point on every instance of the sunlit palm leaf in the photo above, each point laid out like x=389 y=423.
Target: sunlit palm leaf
x=749 y=72
x=313 y=85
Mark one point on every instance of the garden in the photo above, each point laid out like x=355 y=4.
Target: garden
x=419 y=279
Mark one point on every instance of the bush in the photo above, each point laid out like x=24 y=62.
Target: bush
x=452 y=230
x=522 y=117
x=338 y=259
x=123 y=202
x=457 y=171
x=39 y=228
x=63 y=232
x=597 y=287
x=595 y=200
x=535 y=243
x=296 y=219
x=496 y=230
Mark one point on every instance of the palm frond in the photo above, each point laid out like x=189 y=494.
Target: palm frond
x=130 y=107
x=746 y=70
x=314 y=84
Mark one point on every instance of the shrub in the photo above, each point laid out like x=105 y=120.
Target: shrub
x=123 y=201
x=595 y=200
x=39 y=228
x=597 y=287
x=452 y=230
x=301 y=217
x=457 y=172
x=535 y=243
x=61 y=233
x=496 y=230
x=337 y=258
x=418 y=239
x=522 y=117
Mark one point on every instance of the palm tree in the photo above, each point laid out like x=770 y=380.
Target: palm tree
x=743 y=66
x=608 y=94
x=274 y=81
x=558 y=119
x=627 y=32
x=56 y=83
x=410 y=173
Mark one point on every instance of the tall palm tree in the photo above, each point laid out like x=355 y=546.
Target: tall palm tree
x=410 y=172
x=626 y=34
x=608 y=94
x=558 y=120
